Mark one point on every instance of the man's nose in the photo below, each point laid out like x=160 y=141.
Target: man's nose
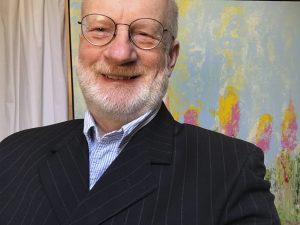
x=121 y=50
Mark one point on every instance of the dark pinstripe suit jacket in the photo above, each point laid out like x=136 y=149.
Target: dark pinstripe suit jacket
x=169 y=173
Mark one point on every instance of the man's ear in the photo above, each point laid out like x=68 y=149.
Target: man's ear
x=173 y=54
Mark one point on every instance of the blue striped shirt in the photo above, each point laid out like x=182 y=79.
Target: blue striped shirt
x=103 y=150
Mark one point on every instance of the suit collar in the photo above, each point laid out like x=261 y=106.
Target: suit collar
x=129 y=178
x=159 y=135
x=64 y=175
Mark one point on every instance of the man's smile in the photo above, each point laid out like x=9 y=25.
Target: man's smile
x=119 y=77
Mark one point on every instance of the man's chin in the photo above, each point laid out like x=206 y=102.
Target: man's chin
x=119 y=111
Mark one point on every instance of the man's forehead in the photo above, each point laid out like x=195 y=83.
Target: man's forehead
x=149 y=8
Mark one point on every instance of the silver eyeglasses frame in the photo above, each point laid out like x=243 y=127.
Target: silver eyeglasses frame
x=129 y=31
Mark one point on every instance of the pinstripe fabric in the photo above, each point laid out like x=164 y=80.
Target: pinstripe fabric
x=168 y=174
x=103 y=150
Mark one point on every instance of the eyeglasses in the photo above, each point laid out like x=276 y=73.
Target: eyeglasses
x=100 y=30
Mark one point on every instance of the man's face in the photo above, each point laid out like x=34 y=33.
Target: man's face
x=119 y=79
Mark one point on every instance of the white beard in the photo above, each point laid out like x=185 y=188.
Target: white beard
x=121 y=103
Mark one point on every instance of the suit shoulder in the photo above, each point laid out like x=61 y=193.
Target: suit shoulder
x=226 y=155
x=42 y=133
x=217 y=142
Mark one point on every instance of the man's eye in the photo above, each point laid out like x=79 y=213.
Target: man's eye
x=143 y=34
x=98 y=29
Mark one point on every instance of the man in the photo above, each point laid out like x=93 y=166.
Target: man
x=129 y=162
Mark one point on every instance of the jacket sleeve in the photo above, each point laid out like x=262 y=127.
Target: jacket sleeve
x=250 y=200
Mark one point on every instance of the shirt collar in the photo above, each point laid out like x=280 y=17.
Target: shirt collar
x=124 y=133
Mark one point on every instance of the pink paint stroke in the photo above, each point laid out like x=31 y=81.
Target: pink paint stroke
x=232 y=127
x=191 y=117
x=264 y=141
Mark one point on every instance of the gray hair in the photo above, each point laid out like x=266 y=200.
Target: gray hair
x=172 y=18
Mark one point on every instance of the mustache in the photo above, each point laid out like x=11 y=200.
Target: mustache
x=128 y=70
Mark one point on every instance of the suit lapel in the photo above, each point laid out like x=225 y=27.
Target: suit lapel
x=64 y=175
x=129 y=178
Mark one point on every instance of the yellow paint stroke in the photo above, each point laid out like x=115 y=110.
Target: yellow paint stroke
x=261 y=131
x=228 y=55
x=174 y=102
x=289 y=129
x=194 y=108
x=264 y=121
x=175 y=115
x=182 y=64
x=226 y=104
x=182 y=69
x=200 y=104
x=226 y=16
x=184 y=6
x=289 y=116
x=238 y=78
x=234 y=33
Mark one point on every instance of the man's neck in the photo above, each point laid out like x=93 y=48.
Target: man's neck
x=106 y=126
x=108 y=123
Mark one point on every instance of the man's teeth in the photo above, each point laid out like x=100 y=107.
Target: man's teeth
x=118 y=77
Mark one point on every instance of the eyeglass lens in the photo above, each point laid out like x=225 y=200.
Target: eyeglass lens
x=99 y=30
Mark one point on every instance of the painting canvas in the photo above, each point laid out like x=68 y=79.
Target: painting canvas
x=239 y=74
